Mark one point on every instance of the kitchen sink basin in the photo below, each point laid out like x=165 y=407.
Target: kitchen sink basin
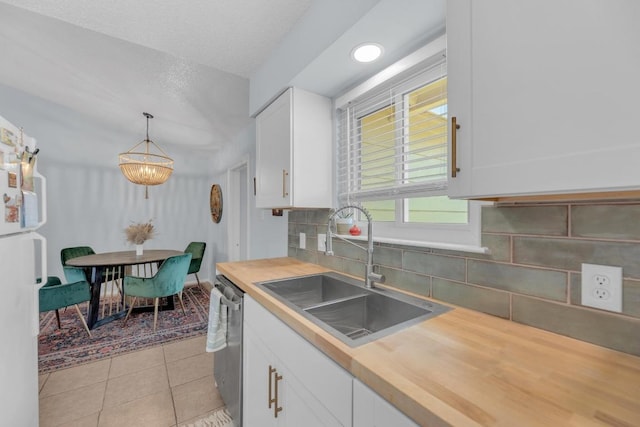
x=310 y=291
x=343 y=307
x=366 y=314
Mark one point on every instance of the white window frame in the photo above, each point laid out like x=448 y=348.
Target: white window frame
x=458 y=237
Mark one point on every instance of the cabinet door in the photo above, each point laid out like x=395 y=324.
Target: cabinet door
x=300 y=407
x=273 y=153
x=321 y=388
x=255 y=380
x=545 y=93
x=371 y=410
x=318 y=377
x=265 y=378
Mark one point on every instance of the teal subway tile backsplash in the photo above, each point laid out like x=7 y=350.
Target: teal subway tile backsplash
x=499 y=247
x=447 y=267
x=318 y=216
x=531 y=275
x=307 y=256
x=332 y=262
x=407 y=280
x=537 y=282
x=569 y=254
x=477 y=298
x=347 y=250
x=597 y=327
x=545 y=220
x=298 y=216
x=616 y=222
x=390 y=257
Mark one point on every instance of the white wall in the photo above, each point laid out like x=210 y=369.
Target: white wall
x=321 y=25
x=91 y=203
x=89 y=200
x=267 y=234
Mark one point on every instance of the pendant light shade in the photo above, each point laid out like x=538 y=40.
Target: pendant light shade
x=144 y=167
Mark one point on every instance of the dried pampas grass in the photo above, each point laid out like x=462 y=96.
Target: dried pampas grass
x=138 y=233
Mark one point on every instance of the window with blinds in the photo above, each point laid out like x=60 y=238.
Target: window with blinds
x=392 y=151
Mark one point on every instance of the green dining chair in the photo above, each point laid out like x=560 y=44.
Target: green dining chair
x=54 y=294
x=78 y=251
x=168 y=281
x=196 y=249
x=111 y=274
x=74 y=252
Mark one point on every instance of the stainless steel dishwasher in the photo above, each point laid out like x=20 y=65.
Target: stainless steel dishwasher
x=227 y=363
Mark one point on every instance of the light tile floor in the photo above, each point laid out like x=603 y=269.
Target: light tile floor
x=167 y=385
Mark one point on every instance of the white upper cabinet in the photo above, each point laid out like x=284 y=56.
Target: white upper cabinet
x=546 y=94
x=293 y=152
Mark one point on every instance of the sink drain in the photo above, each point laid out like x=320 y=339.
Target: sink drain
x=358 y=333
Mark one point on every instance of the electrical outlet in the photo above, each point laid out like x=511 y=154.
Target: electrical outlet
x=303 y=241
x=602 y=287
x=322 y=242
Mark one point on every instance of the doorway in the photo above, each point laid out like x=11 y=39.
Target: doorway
x=238 y=211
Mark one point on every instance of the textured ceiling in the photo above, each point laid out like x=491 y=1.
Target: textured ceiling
x=185 y=62
x=235 y=36
x=188 y=62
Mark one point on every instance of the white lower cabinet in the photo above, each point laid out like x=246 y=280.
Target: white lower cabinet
x=282 y=370
x=371 y=410
x=273 y=396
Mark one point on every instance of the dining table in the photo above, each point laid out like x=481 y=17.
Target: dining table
x=95 y=266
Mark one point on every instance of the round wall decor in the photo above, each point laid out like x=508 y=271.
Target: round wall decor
x=215 y=201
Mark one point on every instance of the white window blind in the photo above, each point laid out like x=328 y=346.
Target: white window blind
x=392 y=142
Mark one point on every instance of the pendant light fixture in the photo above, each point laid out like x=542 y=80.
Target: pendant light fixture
x=146 y=168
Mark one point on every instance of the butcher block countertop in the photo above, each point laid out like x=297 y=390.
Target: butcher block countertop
x=465 y=368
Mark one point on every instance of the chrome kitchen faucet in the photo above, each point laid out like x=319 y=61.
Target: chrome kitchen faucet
x=369 y=277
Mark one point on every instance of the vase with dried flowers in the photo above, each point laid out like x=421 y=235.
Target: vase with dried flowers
x=138 y=233
x=344 y=221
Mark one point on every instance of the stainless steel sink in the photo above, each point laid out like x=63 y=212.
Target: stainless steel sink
x=308 y=291
x=343 y=307
x=367 y=314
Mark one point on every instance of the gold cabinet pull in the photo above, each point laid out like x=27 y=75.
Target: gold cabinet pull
x=284 y=183
x=454 y=147
x=277 y=408
x=273 y=398
x=271 y=372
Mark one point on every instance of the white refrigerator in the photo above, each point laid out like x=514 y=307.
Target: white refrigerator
x=22 y=260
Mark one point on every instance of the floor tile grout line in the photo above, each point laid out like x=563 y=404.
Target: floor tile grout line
x=41 y=386
x=173 y=401
x=65 y=372
x=106 y=386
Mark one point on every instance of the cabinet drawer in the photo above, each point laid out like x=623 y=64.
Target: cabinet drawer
x=323 y=378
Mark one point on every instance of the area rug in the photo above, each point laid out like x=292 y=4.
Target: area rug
x=71 y=345
x=220 y=418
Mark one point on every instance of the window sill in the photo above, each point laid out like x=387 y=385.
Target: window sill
x=421 y=244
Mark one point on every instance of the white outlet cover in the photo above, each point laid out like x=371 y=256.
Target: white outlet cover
x=602 y=287
x=303 y=241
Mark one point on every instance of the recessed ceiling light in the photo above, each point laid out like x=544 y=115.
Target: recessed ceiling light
x=367 y=52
